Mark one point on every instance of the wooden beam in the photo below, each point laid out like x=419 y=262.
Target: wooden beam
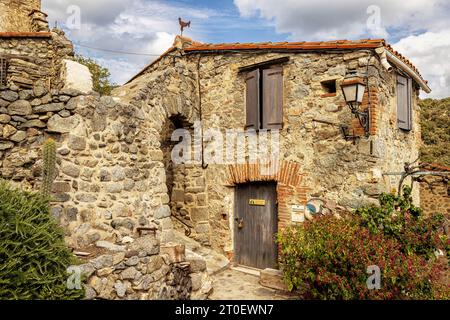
x=263 y=64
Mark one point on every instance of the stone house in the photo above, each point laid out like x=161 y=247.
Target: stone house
x=217 y=147
x=290 y=95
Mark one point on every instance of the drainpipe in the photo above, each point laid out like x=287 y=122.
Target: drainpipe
x=383 y=53
x=200 y=110
x=383 y=57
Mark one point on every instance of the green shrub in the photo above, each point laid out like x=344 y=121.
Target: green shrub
x=328 y=259
x=33 y=255
x=398 y=218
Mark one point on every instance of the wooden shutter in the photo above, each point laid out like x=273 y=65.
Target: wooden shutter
x=3 y=70
x=404 y=102
x=252 y=100
x=272 y=116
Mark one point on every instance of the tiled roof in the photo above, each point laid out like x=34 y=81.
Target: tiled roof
x=300 y=46
x=25 y=35
x=322 y=45
x=190 y=46
x=434 y=167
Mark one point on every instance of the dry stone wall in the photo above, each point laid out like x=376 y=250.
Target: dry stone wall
x=109 y=193
x=15 y=15
x=37 y=58
x=436 y=199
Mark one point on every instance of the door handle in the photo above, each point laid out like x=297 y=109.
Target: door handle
x=241 y=222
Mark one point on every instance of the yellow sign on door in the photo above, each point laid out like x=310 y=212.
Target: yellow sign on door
x=257 y=202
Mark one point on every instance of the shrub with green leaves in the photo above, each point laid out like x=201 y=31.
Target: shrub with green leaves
x=33 y=255
x=398 y=218
x=327 y=259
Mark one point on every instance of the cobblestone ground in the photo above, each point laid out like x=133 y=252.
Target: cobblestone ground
x=235 y=285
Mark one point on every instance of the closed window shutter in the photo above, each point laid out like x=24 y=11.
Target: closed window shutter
x=404 y=97
x=273 y=98
x=252 y=100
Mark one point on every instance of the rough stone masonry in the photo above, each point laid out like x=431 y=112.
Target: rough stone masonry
x=109 y=194
x=119 y=197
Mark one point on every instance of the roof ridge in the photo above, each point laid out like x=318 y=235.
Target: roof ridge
x=187 y=44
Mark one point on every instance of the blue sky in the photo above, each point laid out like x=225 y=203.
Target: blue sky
x=420 y=29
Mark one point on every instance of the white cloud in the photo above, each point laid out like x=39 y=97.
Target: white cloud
x=136 y=26
x=430 y=52
x=421 y=28
x=324 y=19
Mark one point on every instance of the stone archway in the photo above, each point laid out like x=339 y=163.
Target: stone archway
x=177 y=179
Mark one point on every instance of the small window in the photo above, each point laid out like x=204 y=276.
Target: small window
x=264 y=98
x=3 y=69
x=329 y=86
x=404 y=103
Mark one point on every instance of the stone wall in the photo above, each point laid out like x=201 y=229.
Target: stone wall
x=15 y=15
x=109 y=194
x=35 y=58
x=140 y=271
x=435 y=200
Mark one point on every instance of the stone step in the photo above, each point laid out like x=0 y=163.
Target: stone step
x=273 y=279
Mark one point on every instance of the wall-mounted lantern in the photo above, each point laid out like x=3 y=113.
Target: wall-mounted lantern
x=353 y=88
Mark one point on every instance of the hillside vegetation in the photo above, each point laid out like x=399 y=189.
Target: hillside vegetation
x=436 y=131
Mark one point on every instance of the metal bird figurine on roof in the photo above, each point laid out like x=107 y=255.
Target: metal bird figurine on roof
x=184 y=25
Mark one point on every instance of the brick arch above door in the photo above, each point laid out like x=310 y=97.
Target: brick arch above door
x=287 y=173
x=291 y=187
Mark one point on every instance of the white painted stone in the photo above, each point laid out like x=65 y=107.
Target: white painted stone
x=76 y=76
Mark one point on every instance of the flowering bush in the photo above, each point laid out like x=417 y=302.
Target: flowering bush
x=328 y=259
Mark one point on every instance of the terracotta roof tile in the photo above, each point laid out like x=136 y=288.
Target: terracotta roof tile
x=195 y=46
x=335 y=44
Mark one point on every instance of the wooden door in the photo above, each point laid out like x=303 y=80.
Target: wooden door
x=256 y=225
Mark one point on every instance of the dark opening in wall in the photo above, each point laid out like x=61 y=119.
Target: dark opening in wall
x=329 y=86
x=175 y=173
x=3 y=70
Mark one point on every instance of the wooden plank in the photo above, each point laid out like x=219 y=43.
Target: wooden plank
x=255 y=243
x=403 y=103
x=264 y=64
x=252 y=100
x=272 y=117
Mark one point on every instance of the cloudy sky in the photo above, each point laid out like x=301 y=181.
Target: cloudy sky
x=132 y=33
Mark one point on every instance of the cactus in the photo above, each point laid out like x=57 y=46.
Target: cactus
x=49 y=166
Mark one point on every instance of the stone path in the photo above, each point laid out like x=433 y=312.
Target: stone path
x=236 y=285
